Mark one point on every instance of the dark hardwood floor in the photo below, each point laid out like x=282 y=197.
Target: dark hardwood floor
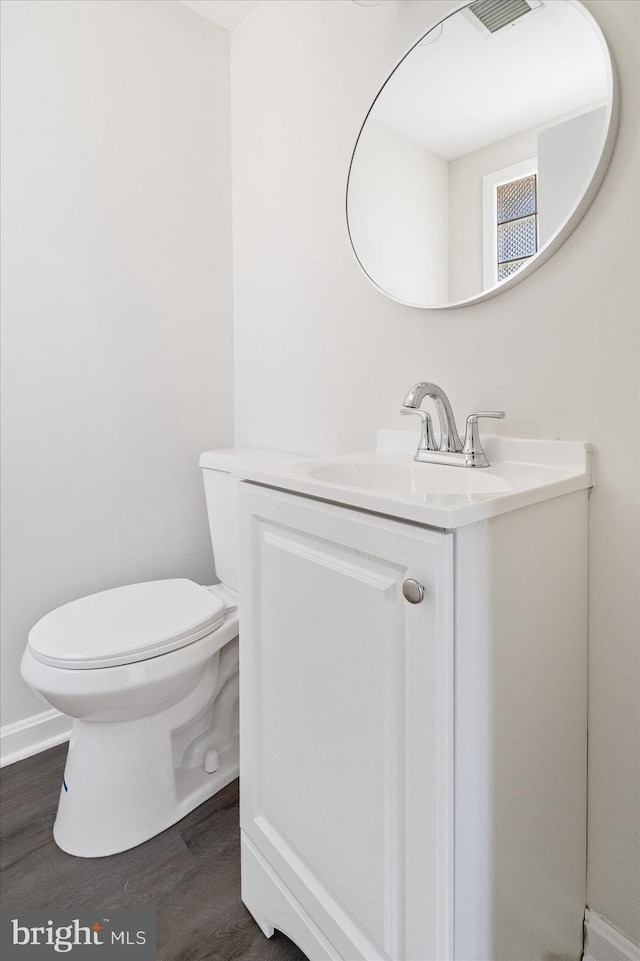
x=189 y=874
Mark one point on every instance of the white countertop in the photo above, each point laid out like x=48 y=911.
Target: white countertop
x=388 y=481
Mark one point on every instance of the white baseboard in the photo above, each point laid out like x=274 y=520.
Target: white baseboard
x=32 y=735
x=602 y=942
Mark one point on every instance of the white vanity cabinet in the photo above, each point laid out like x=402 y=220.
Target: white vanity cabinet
x=413 y=774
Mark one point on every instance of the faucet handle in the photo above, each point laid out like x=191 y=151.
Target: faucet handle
x=427 y=440
x=476 y=456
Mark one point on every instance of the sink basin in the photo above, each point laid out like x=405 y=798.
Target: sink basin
x=404 y=475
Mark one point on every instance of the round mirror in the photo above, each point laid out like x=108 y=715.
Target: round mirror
x=482 y=151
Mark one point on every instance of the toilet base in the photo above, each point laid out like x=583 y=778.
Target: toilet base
x=93 y=835
x=126 y=781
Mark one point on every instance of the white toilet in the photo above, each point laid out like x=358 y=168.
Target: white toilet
x=149 y=672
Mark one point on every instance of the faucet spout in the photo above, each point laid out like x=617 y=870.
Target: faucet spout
x=449 y=438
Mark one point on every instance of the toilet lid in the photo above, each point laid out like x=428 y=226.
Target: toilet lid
x=126 y=624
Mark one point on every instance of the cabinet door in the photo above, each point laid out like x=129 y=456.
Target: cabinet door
x=346 y=721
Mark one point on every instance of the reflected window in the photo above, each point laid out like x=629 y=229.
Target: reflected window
x=517 y=224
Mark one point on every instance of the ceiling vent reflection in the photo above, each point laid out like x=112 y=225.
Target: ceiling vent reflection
x=496 y=14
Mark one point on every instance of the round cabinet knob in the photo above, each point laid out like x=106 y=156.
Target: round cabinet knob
x=413 y=591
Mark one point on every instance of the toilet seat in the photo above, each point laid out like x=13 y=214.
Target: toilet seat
x=126 y=624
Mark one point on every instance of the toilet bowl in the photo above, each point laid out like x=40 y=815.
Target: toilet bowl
x=149 y=674
x=146 y=723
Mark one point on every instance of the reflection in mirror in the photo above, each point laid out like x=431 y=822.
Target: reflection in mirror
x=482 y=151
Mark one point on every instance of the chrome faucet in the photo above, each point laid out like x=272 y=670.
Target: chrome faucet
x=450 y=450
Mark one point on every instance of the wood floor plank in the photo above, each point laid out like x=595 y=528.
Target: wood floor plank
x=189 y=874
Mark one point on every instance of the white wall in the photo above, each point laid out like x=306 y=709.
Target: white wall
x=565 y=160
x=398 y=215
x=323 y=359
x=116 y=301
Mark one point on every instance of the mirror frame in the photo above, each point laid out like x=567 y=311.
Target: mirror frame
x=571 y=221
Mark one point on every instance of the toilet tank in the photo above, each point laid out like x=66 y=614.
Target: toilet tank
x=221 y=494
x=219 y=470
